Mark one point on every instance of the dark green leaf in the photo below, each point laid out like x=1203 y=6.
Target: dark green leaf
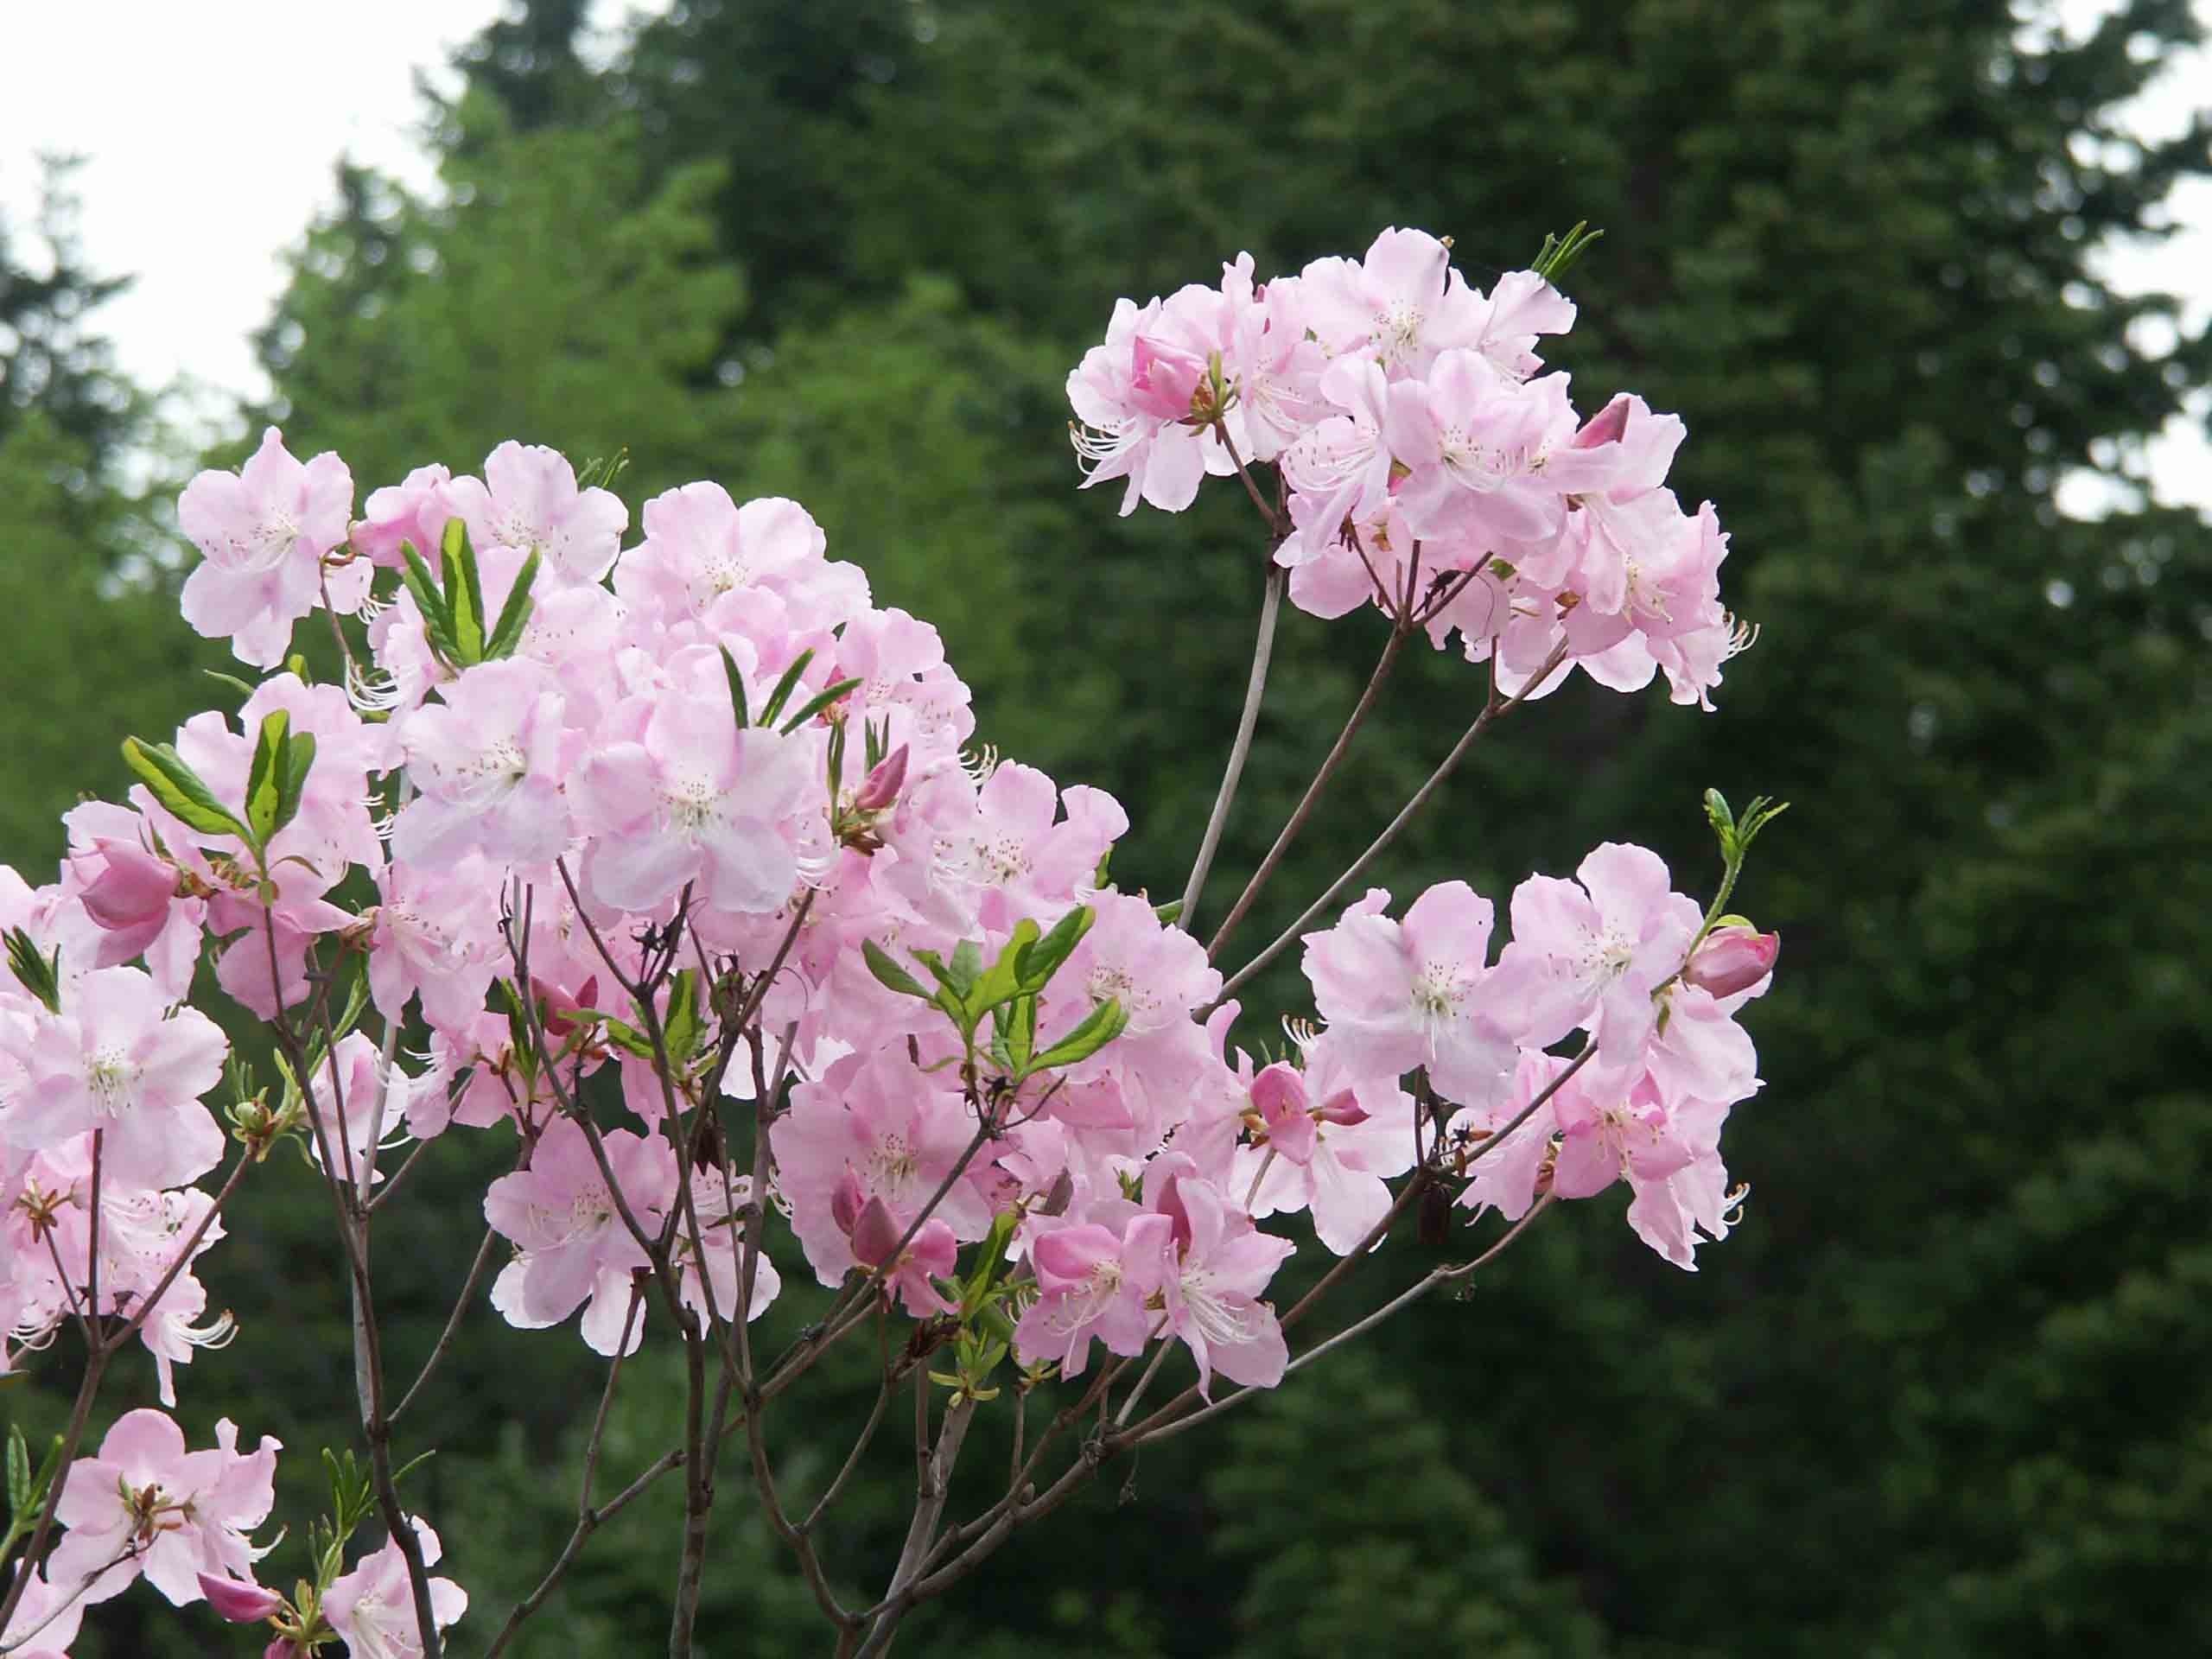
x=514 y=615
x=821 y=700
x=180 y=789
x=785 y=687
x=1099 y=1027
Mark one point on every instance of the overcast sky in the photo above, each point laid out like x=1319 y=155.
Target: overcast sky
x=211 y=129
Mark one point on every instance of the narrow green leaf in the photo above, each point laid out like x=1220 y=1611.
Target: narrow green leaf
x=1100 y=1026
x=264 y=779
x=181 y=790
x=231 y=680
x=966 y=966
x=299 y=757
x=34 y=970
x=464 y=592
x=514 y=615
x=682 y=1032
x=817 y=703
x=1003 y=982
x=437 y=614
x=1043 y=959
x=785 y=687
x=889 y=974
x=736 y=689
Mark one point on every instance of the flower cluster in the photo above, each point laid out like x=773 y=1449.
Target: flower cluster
x=1428 y=464
x=607 y=843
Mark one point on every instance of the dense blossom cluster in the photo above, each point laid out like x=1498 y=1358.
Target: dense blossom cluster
x=1419 y=440
x=560 y=771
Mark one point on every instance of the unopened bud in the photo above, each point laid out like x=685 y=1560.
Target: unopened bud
x=1733 y=959
x=846 y=1202
x=880 y=789
x=239 y=1600
x=875 y=1233
x=1604 y=427
x=1164 y=378
x=1342 y=1107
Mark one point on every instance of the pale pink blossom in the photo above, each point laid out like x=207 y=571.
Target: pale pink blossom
x=167 y=1513
x=372 y=1607
x=116 y=1061
x=528 y=500
x=572 y=1242
x=263 y=533
x=1399 y=994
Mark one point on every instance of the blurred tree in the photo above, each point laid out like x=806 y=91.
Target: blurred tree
x=51 y=359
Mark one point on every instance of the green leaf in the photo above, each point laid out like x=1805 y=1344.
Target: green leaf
x=464 y=592
x=264 y=779
x=299 y=757
x=35 y=970
x=514 y=615
x=1722 y=820
x=1169 y=912
x=1003 y=982
x=785 y=687
x=629 y=1039
x=890 y=974
x=1559 y=252
x=19 y=1471
x=1043 y=959
x=1014 y=1033
x=966 y=968
x=181 y=790
x=817 y=703
x=682 y=1032
x=1099 y=1027
x=736 y=689
x=231 y=680
x=437 y=614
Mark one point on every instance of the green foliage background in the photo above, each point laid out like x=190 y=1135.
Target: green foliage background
x=1948 y=1393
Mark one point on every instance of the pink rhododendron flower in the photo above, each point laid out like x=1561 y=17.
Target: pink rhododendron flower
x=528 y=500
x=1400 y=306
x=409 y=514
x=1218 y=1264
x=1095 y=1280
x=686 y=796
x=573 y=1246
x=263 y=533
x=171 y=1514
x=1591 y=954
x=116 y=1061
x=1399 y=994
x=1327 y=1143
x=489 y=760
x=372 y=1607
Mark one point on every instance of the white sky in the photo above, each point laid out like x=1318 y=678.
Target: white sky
x=211 y=130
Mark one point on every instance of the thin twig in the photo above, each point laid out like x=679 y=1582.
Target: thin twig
x=1493 y=710
x=1255 y=690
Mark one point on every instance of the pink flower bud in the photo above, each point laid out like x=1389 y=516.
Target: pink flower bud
x=125 y=886
x=1607 y=426
x=281 y=1647
x=1733 y=959
x=1278 y=1091
x=880 y=787
x=845 y=1203
x=240 y=1601
x=874 y=1232
x=1343 y=1109
x=1164 y=378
